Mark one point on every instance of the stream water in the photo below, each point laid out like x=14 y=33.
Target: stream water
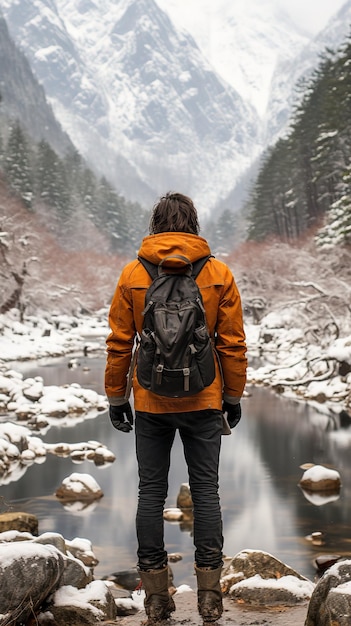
x=263 y=506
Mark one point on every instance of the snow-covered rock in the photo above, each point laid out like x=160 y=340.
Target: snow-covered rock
x=27 y=566
x=258 y=578
x=78 y=487
x=43 y=570
x=330 y=603
x=19 y=448
x=28 y=397
x=319 y=478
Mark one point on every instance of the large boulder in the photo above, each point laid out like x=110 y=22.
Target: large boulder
x=258 y=578
x=330 y=604
x=29 y=573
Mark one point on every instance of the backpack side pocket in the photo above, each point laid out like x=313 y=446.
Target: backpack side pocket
x=204 y=355
x=146 y=356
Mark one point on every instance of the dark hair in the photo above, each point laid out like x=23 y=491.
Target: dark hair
x=174 y=213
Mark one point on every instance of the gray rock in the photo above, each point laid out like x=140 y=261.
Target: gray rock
x=330 y=604
x=127 y=579
x=76 y=574
x=28 y=574
x=53 y=539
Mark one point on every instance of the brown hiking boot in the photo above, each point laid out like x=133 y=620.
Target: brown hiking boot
x=158 y=602
x=209 y=594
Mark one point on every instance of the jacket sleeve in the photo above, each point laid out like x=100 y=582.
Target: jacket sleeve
x=230 y=340
x=119 y=342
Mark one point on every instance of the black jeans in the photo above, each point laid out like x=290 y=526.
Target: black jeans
x=200 y=432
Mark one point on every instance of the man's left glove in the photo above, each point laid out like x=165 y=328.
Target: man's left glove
x=122 y=417
x=233 y=412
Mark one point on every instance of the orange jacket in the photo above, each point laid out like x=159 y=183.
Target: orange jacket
x=224 y=318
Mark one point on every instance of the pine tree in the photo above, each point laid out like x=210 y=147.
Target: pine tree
x=88 y=192
x=17 y=164
x=111 y=217
x=52 y=185
x=337 y=227
x=137 y=221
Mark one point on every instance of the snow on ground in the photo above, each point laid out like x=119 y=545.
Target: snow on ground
x=83 y=598
x=50 y=335
x=280 y=357
x=283 y=359
x=299 y=588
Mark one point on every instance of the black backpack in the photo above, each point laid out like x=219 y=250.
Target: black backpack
x=175 y=356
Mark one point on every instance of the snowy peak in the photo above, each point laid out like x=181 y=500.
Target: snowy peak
x=242 y=40
x=337 y=28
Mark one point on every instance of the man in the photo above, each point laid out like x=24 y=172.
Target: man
x=174 y=230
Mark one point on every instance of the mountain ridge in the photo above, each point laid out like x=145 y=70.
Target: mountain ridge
x=142 y=103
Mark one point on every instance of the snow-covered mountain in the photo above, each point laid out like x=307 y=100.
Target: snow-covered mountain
x=149 y=107
x=22 y=98
x=125 y=84
x=243 y=40
x=258 y=49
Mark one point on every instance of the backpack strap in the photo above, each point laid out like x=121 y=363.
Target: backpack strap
x=152 y=268
x=199 y=264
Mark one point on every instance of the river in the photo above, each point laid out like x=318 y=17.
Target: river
x=263 y=506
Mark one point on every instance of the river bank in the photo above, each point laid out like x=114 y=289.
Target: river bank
x=72 y=337
x=233 y=614
x=282 y=356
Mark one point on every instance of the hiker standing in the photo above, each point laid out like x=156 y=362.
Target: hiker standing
x=164 y=396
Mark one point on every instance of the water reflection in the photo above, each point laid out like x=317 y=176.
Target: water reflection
x=263 y=507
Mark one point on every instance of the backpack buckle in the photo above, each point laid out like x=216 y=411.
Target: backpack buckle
x=186 y=373
x=159 y=370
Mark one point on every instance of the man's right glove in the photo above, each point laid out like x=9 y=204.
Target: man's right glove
x=121 y=417
x=233 y=412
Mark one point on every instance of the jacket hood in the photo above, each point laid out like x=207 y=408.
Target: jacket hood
x=155 y=247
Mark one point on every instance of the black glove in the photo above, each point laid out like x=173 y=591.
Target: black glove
x=121 y=417
x=233 y=412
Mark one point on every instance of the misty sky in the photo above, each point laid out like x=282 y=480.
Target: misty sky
x=311 y=14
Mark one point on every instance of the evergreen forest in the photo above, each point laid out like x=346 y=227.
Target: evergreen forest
x=304 y=181
x=67 y=194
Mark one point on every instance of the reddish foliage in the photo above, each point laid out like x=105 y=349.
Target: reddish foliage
x=57 y=278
